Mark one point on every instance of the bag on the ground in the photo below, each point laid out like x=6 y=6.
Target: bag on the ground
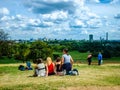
x=21 y=67
x=74 y=72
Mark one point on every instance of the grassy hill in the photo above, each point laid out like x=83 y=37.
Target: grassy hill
x=94 y=77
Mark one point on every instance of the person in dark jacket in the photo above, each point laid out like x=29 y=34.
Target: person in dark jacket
x=89 y=58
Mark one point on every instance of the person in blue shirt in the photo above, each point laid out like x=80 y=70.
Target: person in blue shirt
x=28 y=64
x=99 y=58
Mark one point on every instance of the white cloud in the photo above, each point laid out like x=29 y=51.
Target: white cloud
x=58 y=19
x=57 y=15
x=76 y=23
x=4 y=11
x=94 y=23
x=5 y=18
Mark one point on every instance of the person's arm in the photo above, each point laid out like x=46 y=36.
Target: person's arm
x=46 y=70
x=71 y=60
x=54 y=68
x=62 y=61
x=101 y=57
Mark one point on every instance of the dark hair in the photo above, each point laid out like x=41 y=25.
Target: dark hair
x=65 y=50
x=39 y=60
x=58 y=59
x=35 y=61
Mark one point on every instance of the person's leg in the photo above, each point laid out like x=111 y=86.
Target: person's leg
x=35 y=73
x=99 y=62
x=49 y=74
x=89 y=62
x=68 y=68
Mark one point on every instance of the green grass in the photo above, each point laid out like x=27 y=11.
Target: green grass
x=101 y=76
x=77 y=56
x=82 y=57
x=5 y=60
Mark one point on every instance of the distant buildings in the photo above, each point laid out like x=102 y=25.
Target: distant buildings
x=101 y=38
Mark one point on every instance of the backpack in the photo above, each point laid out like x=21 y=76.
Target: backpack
x=74 y=72
x=21 y=67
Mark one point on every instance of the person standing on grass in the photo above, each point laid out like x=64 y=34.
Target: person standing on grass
x=50 y=67
x=67 y=61
x=99 y=58
x=89 y=58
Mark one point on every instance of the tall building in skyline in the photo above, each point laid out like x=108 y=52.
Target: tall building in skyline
x=91 y=37
x=106 y=36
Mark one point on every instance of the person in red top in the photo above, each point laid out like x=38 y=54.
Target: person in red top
x=50 y=67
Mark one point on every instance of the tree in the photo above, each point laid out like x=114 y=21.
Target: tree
x=21 y=51
x=3 y=35
x=40 y=49
x=3 y=43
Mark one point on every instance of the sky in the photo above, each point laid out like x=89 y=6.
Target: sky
x=60 y=19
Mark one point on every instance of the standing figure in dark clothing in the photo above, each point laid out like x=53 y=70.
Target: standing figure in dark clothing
x=89 y=58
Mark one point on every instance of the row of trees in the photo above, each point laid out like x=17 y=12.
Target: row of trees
x=107 y=48
x=23 y=50
x=42 y=49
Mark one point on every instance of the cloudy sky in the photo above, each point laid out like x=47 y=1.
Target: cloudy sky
x=60 y=19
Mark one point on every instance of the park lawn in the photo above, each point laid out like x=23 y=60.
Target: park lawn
x=82 y=57
x=92 y=77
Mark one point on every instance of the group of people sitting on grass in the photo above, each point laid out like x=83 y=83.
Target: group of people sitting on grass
x=62 y=66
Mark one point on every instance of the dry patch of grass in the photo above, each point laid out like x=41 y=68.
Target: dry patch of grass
x=91 y=78
x=92 y=88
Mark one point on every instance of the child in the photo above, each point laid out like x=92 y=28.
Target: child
x=58 y=66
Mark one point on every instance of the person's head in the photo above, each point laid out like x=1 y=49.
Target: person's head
x=35 y=61
x=99 y=52
x=58 y=59
x=65 y=51
x=39 y=61
x=49 y=60
x=90 y=53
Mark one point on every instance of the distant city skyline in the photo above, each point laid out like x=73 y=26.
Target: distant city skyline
x=60 y=19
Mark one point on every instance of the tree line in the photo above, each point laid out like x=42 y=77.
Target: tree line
x=107 y=48
x=41 y=49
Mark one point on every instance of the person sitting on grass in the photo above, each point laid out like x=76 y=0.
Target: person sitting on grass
x=58 y=65
x=67 y=62
x=50 y=67
x=28 y=66
x=40 y=68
